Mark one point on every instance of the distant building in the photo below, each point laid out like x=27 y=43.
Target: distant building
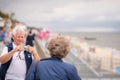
x=1 y=22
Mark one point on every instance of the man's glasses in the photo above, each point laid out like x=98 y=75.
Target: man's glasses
x=21 y=58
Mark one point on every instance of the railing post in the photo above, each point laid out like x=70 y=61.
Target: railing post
x=39 y=49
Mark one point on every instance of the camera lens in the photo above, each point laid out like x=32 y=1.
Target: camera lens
x=25 y=47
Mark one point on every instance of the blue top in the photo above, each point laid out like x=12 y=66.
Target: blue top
x=29 y=40
x=52 y=69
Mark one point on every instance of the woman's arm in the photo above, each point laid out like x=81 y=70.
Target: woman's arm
x=73 y=74
x=32 y=71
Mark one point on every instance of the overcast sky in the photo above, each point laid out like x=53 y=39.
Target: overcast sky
x=66 y=15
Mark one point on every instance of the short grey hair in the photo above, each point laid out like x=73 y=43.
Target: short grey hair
x=19 y=27
x=59 y=46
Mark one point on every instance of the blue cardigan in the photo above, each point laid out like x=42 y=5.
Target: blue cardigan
x=4 y=67
x=52 y=69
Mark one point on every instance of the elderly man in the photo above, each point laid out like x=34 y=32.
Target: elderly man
x=14 y=58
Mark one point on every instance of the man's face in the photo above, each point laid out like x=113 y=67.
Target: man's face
x=19 y=38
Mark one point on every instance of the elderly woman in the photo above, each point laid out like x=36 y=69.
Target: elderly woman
x=54 y=68
x=15 y=60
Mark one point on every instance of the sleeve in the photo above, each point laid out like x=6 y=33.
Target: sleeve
x=32 y=71
x=73 y=74
x=4 y=51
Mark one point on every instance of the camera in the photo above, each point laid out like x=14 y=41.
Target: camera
x=25 y=48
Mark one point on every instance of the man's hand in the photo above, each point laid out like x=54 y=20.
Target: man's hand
x=33 y=51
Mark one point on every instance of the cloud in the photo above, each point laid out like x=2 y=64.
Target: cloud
x=63 y=14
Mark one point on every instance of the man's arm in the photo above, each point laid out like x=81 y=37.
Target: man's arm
x=33 y=51
x=6 y=57
x=36 y=56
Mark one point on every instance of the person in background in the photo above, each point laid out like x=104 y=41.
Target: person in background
x=2 y=34
x=7 y=39
x=30 y=39
x=16 y=58
x=54 y=68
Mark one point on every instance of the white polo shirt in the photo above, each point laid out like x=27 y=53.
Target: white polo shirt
x=17 y=68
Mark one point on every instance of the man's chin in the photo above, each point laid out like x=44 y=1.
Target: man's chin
x=20 y=43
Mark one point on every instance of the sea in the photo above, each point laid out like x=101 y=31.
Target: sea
x=102 y=39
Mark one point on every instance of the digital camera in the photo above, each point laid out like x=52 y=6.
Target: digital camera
x=26 y=48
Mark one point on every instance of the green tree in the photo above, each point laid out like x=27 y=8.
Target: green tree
x=4 y=15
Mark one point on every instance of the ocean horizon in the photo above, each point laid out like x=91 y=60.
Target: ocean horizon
x=102 y=39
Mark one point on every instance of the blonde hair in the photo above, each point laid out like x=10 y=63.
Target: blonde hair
x=59 y=46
